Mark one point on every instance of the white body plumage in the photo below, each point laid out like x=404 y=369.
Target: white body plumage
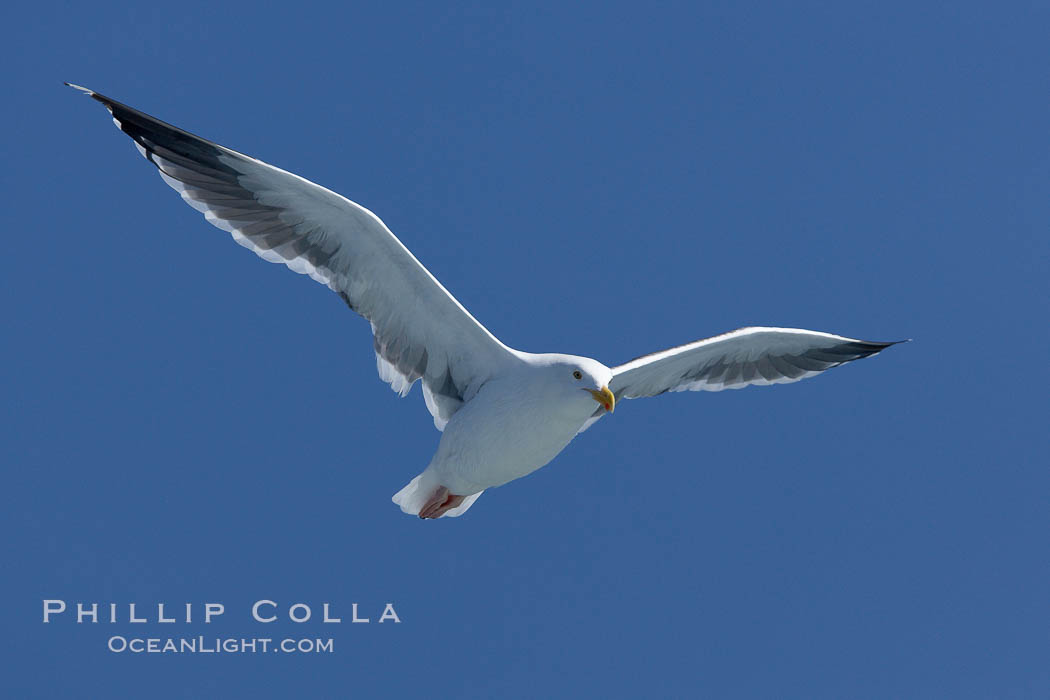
x=517 y=423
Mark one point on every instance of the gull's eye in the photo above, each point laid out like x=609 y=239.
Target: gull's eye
x=577 y=375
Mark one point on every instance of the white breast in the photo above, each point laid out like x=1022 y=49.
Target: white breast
x=504 y=433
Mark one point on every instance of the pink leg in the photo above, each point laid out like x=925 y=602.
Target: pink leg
x=438 y=504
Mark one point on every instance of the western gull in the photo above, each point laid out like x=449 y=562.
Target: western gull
x=503 y=413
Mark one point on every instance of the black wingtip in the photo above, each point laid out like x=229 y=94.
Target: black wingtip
x=882 y=345
x=870 y=348
x=879 y=347
x=91 y=93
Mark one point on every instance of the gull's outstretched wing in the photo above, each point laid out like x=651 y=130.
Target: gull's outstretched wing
x=737 y=359
x=421 y=331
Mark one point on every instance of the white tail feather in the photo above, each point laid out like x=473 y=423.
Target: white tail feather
x=415 y=494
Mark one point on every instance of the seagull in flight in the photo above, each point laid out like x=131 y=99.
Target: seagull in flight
x=503 y=413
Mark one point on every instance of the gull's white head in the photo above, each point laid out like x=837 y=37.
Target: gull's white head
x=575 y=378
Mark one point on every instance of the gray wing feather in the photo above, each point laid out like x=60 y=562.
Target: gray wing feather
x=744 y=357
x=421 y=331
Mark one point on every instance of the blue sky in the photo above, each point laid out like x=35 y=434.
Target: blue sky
x=184 y=422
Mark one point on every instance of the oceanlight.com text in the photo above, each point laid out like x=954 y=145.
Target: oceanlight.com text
x=218 y=645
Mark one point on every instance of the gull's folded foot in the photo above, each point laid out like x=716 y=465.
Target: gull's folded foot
x=439 y=503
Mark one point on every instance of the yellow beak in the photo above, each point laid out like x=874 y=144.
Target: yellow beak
x=605 y=398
